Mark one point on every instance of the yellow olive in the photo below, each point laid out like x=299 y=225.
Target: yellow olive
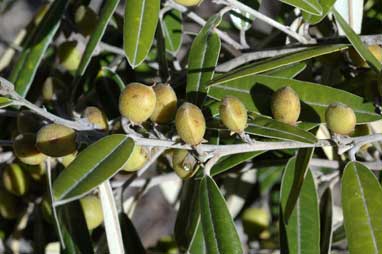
x=190 y=124
x=340 y=118
x=28 y=122
x=67 y=159
x=26 y=151
x=96 y=117
x=255 y=221
x=51 y=89
x=9 y=205
x=188 y=2
x=92 y=208
x=233 y=114
x=285 y=105
x=137 y=159
x=56 y=140
x=165 y=107
x=184 y=164
x=14 y=180
x=358 y=61
x=69 y=55
x=137 y=102
x=85 y=19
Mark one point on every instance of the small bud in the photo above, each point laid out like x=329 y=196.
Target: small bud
x=358 y=61
x=96 y=117
x=184 y=164
x=190 y=124
x=137 y=102
x=165 y=107
x=189 y=2
x=137 y=159
x=85 y=19
x=56 y=140
x=92 y=208
x=285 y=105
x=26 y=151
x=14 y=179
x=233 y=114
x=340 y=118
x=69 y=55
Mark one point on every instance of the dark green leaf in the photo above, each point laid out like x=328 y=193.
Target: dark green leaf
x=141 y=19
x=95 y=164
x=310 y=6
x=172 y=28
x=288 y=71
x=131 y=240
x=198 y=245
x=326 y=214
x=109 y=73
x=228 y=162
x=314 y=19
x=218 y=228
x=362 y=205
x=162 y=55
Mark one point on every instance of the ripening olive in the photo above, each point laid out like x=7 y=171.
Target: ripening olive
x=184 y=164
x=56 y=140
x=255 y=221
x=165 y=107
x=85 y=19
x=137 y=159
x=285 y=105
x=96 y=117
x=190 y=124
x=26 y=151
x=14 y=180
x=137 y=102
x=92 y=208
x=340 y=118
x=69 y=55
x=358 y=61
x=188 y=2
x=9 y=205
x=28 y=122
x=233 y=114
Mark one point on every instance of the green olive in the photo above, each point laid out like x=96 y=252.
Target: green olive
x=92 y=208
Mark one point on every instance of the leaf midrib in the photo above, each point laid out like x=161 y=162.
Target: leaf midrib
x=142 y=13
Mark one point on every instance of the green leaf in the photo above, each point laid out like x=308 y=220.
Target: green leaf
x=28 y=62
x=256 y=92
x=301 y=167
x=339 y=234
x=131 y=240
x=362 y=205
x=141 y=19
x=100 y=28
x=106 y=72
x=162 y=55
x=288 y=71
x=228 y=162
x=357 y=43
x=314 y=19
x=95 y=164
x=5 y=102
x=303 y=228
x=326 y=219
x=276 y=62
x=218 y=228
x=202 y=59
x=198 y=245
x=310 y=6
x=172 y=27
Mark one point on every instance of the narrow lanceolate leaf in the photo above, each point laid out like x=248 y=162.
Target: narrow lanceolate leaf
x=218 y=228
x=25 y=69
x=228 y=162
x=141 y=19
x=362 y=205
x=276 y=62
x=5 y=102
x=302 y=233
x=256 y=93
x=172 y=27
x=198 y=245
x=202 y=59
x=314 y=19
x=357 y=43
x=100 y=28
x=111 y=220
x=326 y=219
x=289 y=71
x=310 y=6
x=352 y=12
x=301 y=167
x=94 y=165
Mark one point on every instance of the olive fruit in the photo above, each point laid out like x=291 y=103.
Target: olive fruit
x=184 y=164
x=14 y=180
x=233 y=114
x=52 y=89
x=85 y=18
x=285 y=105
x=188 y=2
x=26 y=151
x=358 y=61
x=165 y=107
x=137 y=102
x=92 y=208
x=69 y=55
x=137 y=159
x=56 y=140
x=35 y=171
x=340 y=118
x=67 y=159
x=28 y=122
x=255 y=221
x=190 y=124
x=9 y=206
x=96 y=117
